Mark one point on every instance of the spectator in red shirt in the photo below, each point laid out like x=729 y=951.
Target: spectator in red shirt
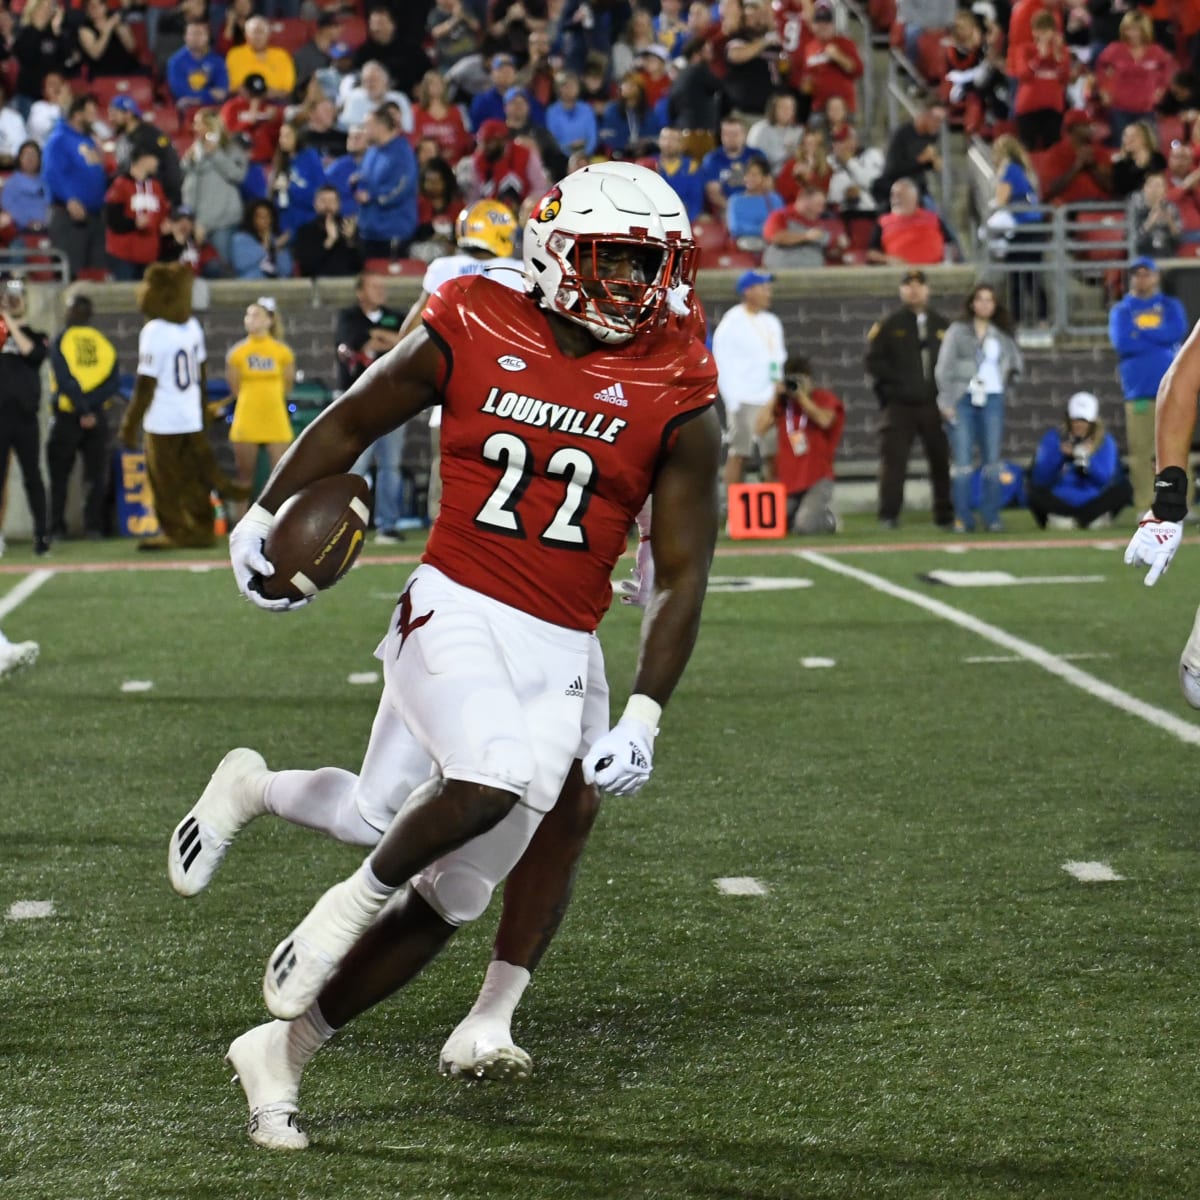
x=435 y=117
x=827 y=63
x=501 y=169
x=809 y=166
x=809 y=422
x=253 y=117
x=1133 y=74
x=1020 y=27
x=1183 y=177
x=964 y=54
x=909 y=234
x=1043 y=71
x=652 y=66
x=1075 y=168
x=135 y=207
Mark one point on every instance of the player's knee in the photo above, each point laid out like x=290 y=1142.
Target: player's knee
x=457 y=893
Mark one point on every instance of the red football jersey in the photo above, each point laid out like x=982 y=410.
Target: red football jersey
x=547 y=459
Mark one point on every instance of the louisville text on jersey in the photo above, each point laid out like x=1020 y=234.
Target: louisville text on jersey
x=529 y=410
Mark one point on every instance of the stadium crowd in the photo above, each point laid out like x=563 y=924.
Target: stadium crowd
x=278 y=138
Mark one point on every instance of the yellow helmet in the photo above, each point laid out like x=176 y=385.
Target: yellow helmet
x=487 y=225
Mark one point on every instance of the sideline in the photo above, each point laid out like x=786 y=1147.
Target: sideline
x=24 y=590
x=1055 y=664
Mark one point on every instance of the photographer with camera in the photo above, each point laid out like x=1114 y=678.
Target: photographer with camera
x=1076 y=481
x=22 y=352
x=808 y=422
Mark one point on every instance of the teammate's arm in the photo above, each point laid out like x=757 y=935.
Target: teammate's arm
x=1160 y=531
x=682 y=536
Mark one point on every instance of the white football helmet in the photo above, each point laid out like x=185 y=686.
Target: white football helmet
x=564 y=243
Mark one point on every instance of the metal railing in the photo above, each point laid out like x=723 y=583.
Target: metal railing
x=1062 y=269
x=850 y=13
x=46 y=264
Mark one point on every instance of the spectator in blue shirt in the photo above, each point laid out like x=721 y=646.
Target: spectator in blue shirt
x=25 y=201
x=629 y=128
x=258 y=250
x=572 y=122
x=749 y=208
x=1076 y=481
x=723 y=169
x=76 y=180
x=1146 y=329
x=490 y=104
x=195 y=75
x=296 y=174
x=681 y=171
x=342 y=173
x=387 y=189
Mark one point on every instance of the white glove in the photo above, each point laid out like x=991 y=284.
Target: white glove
x=636 y=590
x=250 y=564
x=620 y=762
x=1153 y=545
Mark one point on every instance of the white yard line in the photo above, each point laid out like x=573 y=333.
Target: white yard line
x=1185 y=731
x=1092 y=872
x=740 y=885
x=30 y=910
x=24 y=590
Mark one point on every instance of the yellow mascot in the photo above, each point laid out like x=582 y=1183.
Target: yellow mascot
x=168 y=410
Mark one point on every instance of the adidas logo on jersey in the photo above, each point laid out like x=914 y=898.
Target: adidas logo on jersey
x=576 y=689
x=612 y=395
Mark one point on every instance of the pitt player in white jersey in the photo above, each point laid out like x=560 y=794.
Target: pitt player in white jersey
x=486 y=234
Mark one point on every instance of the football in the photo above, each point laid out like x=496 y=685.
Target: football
x=316 y=537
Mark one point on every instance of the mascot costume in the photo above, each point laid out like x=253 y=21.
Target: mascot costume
x=169 y=409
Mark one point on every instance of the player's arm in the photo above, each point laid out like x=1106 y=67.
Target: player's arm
x=414 y=314
x=233 y=374
x=1160 y=531
x=682 y=537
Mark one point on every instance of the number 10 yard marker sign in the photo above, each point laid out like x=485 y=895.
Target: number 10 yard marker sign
x=757 y=510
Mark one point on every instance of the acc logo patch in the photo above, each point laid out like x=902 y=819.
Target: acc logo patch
x=510 y=362
x=549 y=206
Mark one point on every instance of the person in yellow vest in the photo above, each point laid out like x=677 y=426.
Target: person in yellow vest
x=84 y=366
x=261 y=370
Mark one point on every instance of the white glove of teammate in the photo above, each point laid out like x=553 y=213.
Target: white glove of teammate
x=620 y=762
x=1153 y=545
x=250 y=564
x=636 y=590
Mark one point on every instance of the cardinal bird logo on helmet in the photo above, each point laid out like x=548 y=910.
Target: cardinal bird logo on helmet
x=549 y=206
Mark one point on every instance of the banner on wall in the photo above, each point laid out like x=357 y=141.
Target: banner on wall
x=135 y=501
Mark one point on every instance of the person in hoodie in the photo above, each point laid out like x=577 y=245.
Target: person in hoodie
x=386 y=190
x=134 y=210
x=25 y=200
x=1076 y=480
x=342 y=173
x=294 y=177
x=75 y=177
x=1146 y=329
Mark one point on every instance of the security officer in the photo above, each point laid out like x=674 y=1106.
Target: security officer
x=902 y=352
x=22 y=352
x=84 y=364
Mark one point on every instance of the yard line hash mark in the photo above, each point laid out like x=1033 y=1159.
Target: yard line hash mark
x=1185 y=731
x=1092 y=872
x=24 y=590
x=30 y=910
x=740 y=885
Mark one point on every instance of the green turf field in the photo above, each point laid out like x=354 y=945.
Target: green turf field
x=923 y=1003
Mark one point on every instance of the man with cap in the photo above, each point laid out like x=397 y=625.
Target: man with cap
x=178 y=243
x=652 y=63
x=258 y=57
x=1076 y=480
x=83 y=364
x=134 y=210
x=826 y=64
x=489 y=105
x=1146 y=329
x=136 y=136
x=196 y=75
x=902 y=352
x=73 y=169
x=501 y=168
x=251 y=116
x=1076 y=168
x=749 y=349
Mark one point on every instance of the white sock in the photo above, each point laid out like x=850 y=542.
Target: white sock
x=363 y=893
x=503 y=987
x=321 y=800
x=3 y=640
x=305 y=1036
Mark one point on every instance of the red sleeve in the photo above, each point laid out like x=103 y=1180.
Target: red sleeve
x=777 y=222
x=847 y=46
x=442 y=317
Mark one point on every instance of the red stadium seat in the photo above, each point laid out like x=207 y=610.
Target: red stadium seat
x=290 y=33
x=1170 y=129
x=182 y=142
x=711 y=239
x=733 y=259
x=107 y=88
x=882 y=14
x=407 y=267
x=95 y=274
x=165 y=118
x=931 y=55
x=1106 y=230
x=354 y=30
x=859 y=229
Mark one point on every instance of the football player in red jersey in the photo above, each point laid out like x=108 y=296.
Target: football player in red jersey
x=562 y=412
